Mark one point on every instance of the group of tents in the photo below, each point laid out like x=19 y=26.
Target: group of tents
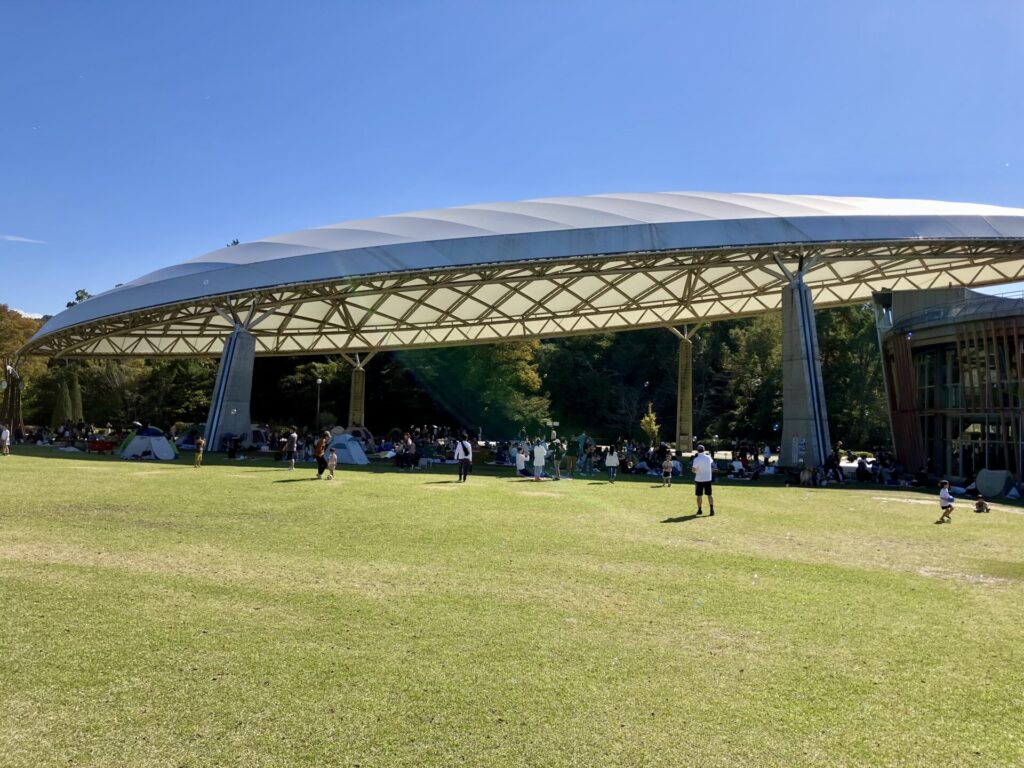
x=152 y=443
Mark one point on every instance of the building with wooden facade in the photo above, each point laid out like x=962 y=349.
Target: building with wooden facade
x=954 y=370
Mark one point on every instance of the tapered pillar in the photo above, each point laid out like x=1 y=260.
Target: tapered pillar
x=805 y=436
x=229 y=406
x=357 y=398
x=684 y=396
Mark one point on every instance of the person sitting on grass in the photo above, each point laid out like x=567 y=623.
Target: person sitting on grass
x=981 y=505
x=945 y=503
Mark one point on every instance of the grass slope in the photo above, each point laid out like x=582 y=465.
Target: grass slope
x=243 y=615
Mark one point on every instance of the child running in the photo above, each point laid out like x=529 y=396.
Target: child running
x=945 y=502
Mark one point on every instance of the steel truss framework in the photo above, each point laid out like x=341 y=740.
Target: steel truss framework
x=537 y=299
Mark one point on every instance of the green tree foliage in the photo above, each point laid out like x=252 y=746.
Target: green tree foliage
x=62 y=405
x=752 y=383
x=75 y=390
x=296 y=393
x=496 y=387
x=80 y=295
x=650 y=427
x=175 y=389
x=602 y=383
x=852 y=371
x=158 y=392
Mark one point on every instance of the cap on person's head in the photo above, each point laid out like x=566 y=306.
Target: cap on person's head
x=700 y=449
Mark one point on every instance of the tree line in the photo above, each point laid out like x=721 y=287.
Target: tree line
x=603 y=383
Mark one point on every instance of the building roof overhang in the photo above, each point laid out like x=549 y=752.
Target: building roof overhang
x=540 y=268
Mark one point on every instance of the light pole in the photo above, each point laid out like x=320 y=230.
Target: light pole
x=318 y=383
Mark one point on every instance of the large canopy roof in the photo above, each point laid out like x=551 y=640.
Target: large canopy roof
x=540 y=268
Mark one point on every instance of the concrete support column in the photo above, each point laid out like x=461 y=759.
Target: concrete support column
x=805 y=436
x=229 y=406
x=684 y=396
x=357 y=398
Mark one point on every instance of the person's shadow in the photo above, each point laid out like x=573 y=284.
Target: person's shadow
x=683 y=519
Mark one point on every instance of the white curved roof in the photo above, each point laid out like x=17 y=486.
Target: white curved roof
x=686 y=255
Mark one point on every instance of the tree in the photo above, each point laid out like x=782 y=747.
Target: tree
x=650 y=427
x=76 y=397
x=496 y=387
x=80 y=295
x=752 y=366
x=62 y=405
x=852 y=372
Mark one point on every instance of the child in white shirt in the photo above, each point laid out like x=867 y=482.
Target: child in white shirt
x=945 y=502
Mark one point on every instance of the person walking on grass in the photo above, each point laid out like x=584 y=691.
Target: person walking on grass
x=464 y=455
x=5 y=440
x=666 y=471
x=320 y=453
x=539 y=454
x=200 y=445
x=704 y=470
x=945 y=503
x=611 y=461
x=332 y=462
x=290 y=446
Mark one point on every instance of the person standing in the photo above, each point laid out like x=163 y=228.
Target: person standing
x=557 y=454
x=319 y=453
x=666 y=471
x=200 y=445
x=332 y=462
x=703 y=469
x=5 y=440
x=464 y=455
x=611 y=461
x=581 y=447
x=539 y=454
x=290 y=446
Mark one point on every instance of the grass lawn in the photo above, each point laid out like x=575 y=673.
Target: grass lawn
x=244 y=615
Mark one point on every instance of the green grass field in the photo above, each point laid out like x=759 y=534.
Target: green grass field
x=155 y=615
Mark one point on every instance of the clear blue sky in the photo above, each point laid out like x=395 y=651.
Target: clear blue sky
x=137 y=135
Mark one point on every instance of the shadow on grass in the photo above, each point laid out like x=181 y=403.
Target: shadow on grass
x=682 y=519
x=442 y=482
x=296 y=479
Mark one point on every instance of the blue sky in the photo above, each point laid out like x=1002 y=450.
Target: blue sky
x=137 y=135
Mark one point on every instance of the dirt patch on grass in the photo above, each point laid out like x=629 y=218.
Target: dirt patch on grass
x=966 y=578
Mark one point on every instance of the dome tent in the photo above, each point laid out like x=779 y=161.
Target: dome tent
x=147 y=443
x=348 y=449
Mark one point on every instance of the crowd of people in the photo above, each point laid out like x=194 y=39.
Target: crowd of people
x=581 y=455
